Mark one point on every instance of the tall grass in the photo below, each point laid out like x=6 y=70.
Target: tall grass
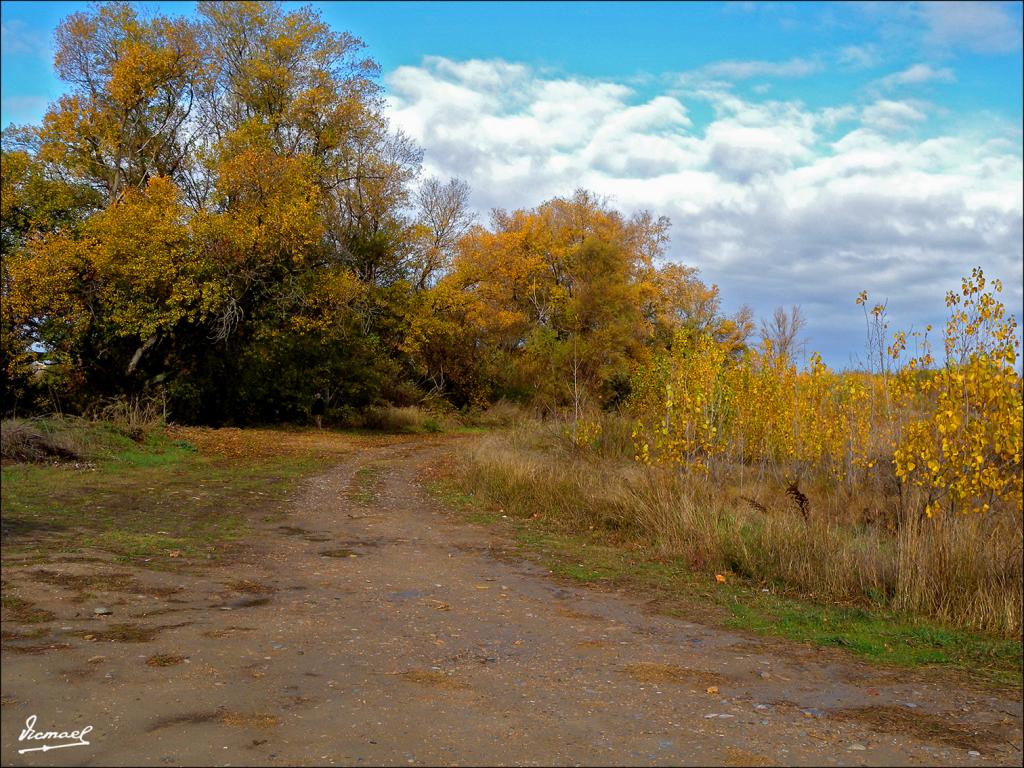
x=71 y=438
x=391 y=418
x=135 y=415
x=435 y=416
x=964 y=570
x=25 y=440
x=105 y=428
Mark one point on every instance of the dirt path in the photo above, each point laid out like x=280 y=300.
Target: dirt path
x=373 y=629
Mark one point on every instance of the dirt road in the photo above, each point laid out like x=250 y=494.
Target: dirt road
x=372 y=628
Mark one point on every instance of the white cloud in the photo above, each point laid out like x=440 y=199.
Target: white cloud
x=735 y=70
x=886 y=115
x=510 y=125
x=745 y=70
x=775 y=202
x=17 y=38
x=916 y=75
x=982 y=27
x=859 y=56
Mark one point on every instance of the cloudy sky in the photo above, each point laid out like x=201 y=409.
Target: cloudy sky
x=803 y=151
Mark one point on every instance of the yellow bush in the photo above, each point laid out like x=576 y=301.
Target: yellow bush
x=965 y=449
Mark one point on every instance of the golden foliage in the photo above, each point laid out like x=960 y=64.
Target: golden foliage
x=964 y=447
x=135 y=258
x=954 y=431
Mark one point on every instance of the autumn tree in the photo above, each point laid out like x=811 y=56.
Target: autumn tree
x=102 y=295
x=304 y=189
x=33 y=202
x=98 y=291
x=287 y=85
x=678 y=300
x=222 y=196
x=253 y=209
x=133 y=84
x=443 y=217
x=555 y=292
x=783 y=330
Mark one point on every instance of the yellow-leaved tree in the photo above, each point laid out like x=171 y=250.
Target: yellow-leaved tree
x=558 y=292
x=130 y=273
x=964 y=449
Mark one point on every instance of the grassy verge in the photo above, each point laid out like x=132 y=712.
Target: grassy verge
x=364 y=485
x=440 y=418
x=159 y=502
x=679 y=589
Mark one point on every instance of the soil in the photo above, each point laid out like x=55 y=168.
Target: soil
x=374 y=627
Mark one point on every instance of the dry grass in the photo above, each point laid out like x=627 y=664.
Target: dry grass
x=216 y=634
x=101 y=582
x=22 y=440
x=743 y=757
x=135 y=416
x=964 y=570
x=434 y=415
x=164 y=660
x=225 y=716
x=502 y=414
x=23 y=611
x=924 y=726
x=189 y=718
x=250 y=587
x=650 y=672
x=248 y=720
x=407 y=419
x=338 y=553
x=434 y=679
x=125 y=633
x=265 y=444
x=34 y=650
x=569 y=613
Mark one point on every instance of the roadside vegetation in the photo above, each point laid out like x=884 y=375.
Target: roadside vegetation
x=217 y=223
x=898 y=488
x=705 y=556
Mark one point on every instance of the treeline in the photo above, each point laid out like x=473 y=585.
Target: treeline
x=218 y=210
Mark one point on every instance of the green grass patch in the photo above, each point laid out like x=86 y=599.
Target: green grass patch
x=465 y=503
x=364 y=484
x=453 y=496
x=483 y=518
x=155 y=501
x=878 y=635
x=432 y=425
x=140 y=545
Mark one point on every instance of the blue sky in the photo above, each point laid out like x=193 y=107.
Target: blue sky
x=802 y=150
x=635 y=42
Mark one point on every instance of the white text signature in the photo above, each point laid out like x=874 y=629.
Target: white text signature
x=31 y=734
